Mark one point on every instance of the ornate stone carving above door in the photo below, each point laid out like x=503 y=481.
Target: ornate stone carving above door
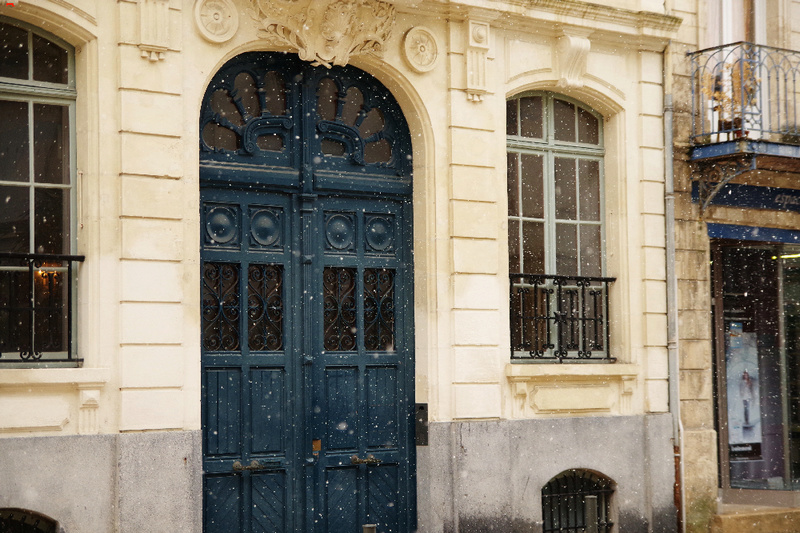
x=326 y=32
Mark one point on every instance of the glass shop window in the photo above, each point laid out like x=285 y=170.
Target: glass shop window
x=756 y=289
x=37 y=175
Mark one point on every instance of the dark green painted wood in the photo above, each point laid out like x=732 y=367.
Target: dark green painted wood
x=307 y=302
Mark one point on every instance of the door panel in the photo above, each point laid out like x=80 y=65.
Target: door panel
x=306 y=301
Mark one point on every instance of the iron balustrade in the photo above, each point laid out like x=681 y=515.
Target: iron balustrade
x=744 y=90
x=559 y=318
x=36 y=307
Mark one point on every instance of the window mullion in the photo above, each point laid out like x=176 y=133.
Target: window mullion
x=31 y=188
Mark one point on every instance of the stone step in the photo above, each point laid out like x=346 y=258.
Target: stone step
x=743 y=519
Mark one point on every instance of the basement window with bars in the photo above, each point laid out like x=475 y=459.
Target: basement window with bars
x=577 y=501
x=37 y=176
x=558 y=293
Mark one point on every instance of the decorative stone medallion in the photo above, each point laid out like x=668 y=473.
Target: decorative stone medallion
x=420 y=49
x=217 y=20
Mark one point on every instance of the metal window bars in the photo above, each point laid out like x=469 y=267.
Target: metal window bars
x=559 y=318
x=577 y=501
x=36 y=308
x=744 y=90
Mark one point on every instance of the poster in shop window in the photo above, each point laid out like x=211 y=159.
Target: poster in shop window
x=744 y=410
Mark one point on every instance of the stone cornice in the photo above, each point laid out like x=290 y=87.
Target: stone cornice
x=608 y=23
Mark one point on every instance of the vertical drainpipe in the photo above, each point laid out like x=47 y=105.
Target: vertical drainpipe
x=672 y=295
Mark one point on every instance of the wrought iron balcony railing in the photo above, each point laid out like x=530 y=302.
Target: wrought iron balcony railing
x=745 y=90
x=36 y=308
x=559 y=318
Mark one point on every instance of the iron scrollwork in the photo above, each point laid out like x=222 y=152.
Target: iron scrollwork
x=378 y=309
x=561 y=318
x=265 y=307
x=221 y=307
x=339 y=290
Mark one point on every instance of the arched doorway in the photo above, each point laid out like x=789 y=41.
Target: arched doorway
x=307 y=304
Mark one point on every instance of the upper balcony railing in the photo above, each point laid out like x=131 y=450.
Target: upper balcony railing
x=745 y=91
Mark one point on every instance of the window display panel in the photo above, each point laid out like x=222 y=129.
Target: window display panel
x=757 y=290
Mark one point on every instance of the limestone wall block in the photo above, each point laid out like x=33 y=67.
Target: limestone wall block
x=655 y=329
x=152 y=198
x=692 y=265
x=146 y=367
x=476 y=256
x=475 y=219
x=151 y=155
x=657 y=395
x=476 y=328
x=476 y=183
x=655 y=296
x=695 y=385
x=151 y=323
x=479 y=364
x=694 y=296
x=695 y=354
x=151 y=281
x=653 y=192
x=652 y=168
x=151 y=239
x=477 y=291
x=694 y=324
x=143 y=409
x=154 y=113
x=477 y=400
x=697 y=414
x=473 y=147
x=654 y=230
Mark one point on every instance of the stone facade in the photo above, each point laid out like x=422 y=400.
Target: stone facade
x=115 y=443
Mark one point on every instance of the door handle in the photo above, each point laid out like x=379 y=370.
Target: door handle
x=254 y=465
x=370 y=460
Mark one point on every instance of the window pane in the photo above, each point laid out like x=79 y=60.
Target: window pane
x=51 y=143
x=248 y=93
x=274 y=94
x=14 y=141
x=513 y=246
x=564 y=121
x=14 y=219
x=13 y=52
x=51 y=221
x=532 y=188
x=353 y=102
x=566 y=250
x=533 y=247
x=588 y=128
x=590 y=189
x=513 y=184
x=530 y=109
x=565 y=188
x=50 y=61
x=327 y=98
x=591 y=263
x=511 y=118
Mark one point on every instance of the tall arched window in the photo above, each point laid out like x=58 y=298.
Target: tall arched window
x=37 y=182
x=555 y=228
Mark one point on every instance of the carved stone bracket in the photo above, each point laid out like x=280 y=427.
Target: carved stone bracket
x=89 y=403
x=713 y=176
x=477 y=58
x=326 y=32
x=572 y=50
x=154 y=29
x=421 y=49
x=217 y=20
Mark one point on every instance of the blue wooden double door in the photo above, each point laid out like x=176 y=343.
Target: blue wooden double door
x=306 y=289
